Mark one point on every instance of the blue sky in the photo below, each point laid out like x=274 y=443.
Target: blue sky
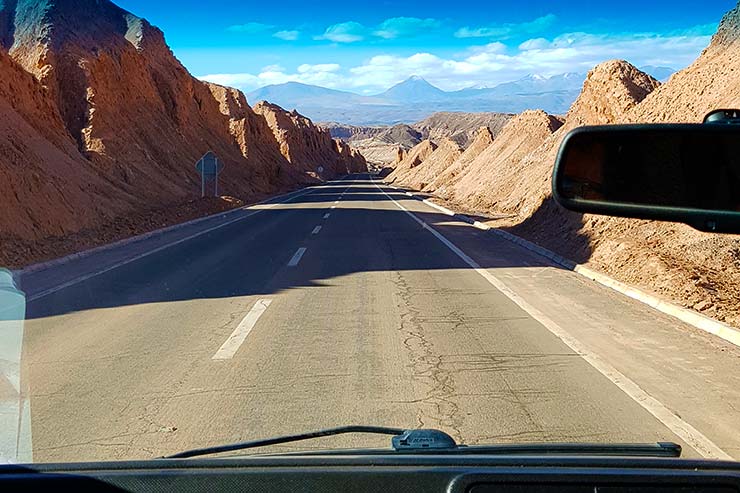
x=366 y=47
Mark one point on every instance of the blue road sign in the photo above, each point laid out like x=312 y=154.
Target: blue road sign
x=209 y=164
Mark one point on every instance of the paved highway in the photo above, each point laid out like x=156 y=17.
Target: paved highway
x=352 y=303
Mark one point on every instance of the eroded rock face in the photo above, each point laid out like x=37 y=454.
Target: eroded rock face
x=111 y=96
x=611 y=90
x=130 y=105
x=460 y=127
x=408 y=160
x=504 y=174
x=446 y=153
x=46 y=186
x=306 y=146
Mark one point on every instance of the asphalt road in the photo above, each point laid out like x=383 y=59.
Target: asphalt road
x=352 y=303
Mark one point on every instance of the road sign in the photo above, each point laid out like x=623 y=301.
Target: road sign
x=209 y=166
x=321 y=169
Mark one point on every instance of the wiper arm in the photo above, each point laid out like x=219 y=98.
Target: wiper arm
x=378 y=430
x=435 y=441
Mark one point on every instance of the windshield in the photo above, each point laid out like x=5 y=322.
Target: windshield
x=230 y=221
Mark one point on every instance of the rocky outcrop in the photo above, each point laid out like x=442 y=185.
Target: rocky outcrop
x=447 y=178
x=380 y=145
x=436 y=163
x=350 y=160
x=711 y=82
x=307 y=147
x=460 y=127
x=128 y=121
x=46 y=186
x=611 y=90
x=130 y=105
x=514 y=175
x=408 y=160
x=505 y=174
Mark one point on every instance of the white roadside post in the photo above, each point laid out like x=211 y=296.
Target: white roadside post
x=15 y=414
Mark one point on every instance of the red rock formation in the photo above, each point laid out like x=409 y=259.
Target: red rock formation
x=46 y=186
x=306 y=146
x=129 y=120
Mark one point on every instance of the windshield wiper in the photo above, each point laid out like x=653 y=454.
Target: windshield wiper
x=435 y=441
x=378 y=430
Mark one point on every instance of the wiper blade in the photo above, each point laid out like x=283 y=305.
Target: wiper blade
x=431 y=441
x=378 y=430
x=659 y=449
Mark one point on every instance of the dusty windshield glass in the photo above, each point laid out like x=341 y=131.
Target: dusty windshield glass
x=229 y=221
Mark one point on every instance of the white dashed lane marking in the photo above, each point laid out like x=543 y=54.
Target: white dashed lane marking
x=296 y=257
x=229 y=348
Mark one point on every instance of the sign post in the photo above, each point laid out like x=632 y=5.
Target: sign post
x=209 y=167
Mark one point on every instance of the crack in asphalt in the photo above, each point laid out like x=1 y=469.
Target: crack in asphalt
x=426 y=365
x=437 y=371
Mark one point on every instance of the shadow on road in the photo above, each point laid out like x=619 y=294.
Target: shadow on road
x=367 y=232
x=557 y=229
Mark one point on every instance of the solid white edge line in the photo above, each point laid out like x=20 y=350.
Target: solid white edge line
x=316 y=230
x=30 y=269
x=229 y=348
x=698 y=441
x=686 y=315
x=297 y=257
x=85 y=277
x=438 y=207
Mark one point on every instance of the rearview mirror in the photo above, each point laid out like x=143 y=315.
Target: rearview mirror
x=687 y=173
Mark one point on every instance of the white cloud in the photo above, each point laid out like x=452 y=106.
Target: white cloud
x=321 y=74
x=391 y=28
x=508 y=30
x=345 y=32
x=397 y=27
x=534 y=44
x=250 y=28
x=287 y=35
x=488 y=64
x=273 y=68
x=320 y=67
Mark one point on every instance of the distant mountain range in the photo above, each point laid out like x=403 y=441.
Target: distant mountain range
x=415 y=98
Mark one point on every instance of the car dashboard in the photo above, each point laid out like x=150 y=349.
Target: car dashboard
x=384 y=473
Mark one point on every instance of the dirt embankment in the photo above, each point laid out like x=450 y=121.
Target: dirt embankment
x=512 y=176
x=100 y=123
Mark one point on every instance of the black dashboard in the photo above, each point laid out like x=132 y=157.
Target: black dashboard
x=405 y=473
